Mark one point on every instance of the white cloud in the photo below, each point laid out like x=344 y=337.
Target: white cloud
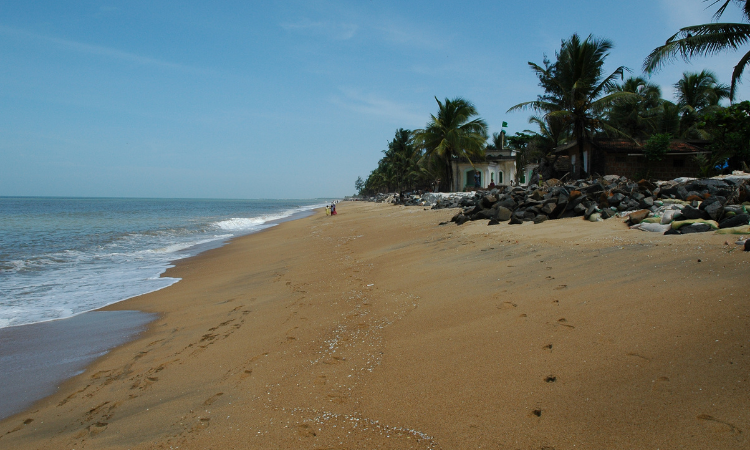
x=336 y=31
x=97 y=50
x=371 y=104
x=683 y=13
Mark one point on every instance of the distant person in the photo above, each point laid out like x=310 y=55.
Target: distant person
x=476 y=178
x=328 y=210
x=333 y=209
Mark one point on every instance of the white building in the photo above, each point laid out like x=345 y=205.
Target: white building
x=497 y=168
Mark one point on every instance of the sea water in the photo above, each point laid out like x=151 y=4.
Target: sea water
x=63 y=256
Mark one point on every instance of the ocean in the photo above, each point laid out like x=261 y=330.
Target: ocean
x=60 y=257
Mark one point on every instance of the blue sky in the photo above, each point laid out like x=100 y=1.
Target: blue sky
x=277 y=99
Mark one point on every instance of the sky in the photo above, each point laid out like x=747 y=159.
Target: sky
x=287 y=99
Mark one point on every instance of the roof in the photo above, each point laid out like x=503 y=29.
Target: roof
x=631 y=147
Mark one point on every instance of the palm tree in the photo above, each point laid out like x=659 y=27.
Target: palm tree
x=576 y=91
x=707 y=39
x=452 y=134
x=496 y=141
x=697 y=93
x=637 y=116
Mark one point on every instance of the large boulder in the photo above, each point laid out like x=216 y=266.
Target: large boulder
x=503 y=214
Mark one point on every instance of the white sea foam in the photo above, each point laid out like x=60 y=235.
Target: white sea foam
x=59 y=281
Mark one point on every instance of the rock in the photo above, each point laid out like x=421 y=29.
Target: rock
x=484 y=214
x=488 y=201
x=574 y=195
x=715 y=210
x=638 y=216
x=606 y=213
x=696 y=228
x=646 y=202
x=693 y=213
x=682 y=193
x=493 y=221
x=589 y=211
x=548 y=208
x=503 y=214
x=615 y=199
x=540 y=218
x=507 y=203
x=645 y=184
x=579 y=209
x=735 y=221
x=529 y=215
x=747 y=245
x=538 y=194
x=672 y=231
x=461 y=219
x=514 y=220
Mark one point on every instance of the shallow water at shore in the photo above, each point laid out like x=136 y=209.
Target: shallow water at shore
x=35 y=358
x=63 y=256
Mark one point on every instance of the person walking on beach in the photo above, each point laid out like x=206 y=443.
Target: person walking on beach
x=333 y=209
x=328 y=210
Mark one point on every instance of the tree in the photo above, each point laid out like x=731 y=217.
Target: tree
x=729 y=129
x=496 y=141
x=576 y=91
x=359 y=185
x=707 y=39
x=636 y=116
x=697 y=94
x=525 y=153
x=454 y=133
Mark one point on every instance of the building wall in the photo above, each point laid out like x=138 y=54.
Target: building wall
x=636 y=167
x=489 y=171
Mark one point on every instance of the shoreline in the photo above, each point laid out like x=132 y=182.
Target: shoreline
x=76 y=341
x=379 y=328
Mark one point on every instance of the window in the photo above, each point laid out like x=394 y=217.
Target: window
x=500 y=177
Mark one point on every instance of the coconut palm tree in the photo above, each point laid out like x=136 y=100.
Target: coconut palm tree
x=697 y=94
x=496 y=141
x=452 y=134
x=707 y=39
x=637 y=116
x=576 y=91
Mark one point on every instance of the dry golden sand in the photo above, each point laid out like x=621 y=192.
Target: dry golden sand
x=378 y=328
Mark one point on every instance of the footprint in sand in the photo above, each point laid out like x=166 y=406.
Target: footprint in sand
x=213 y=398
x=718 y=425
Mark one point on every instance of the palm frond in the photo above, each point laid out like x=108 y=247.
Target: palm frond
x=737 y=74
x=698 y=40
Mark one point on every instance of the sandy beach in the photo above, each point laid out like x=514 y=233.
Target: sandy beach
x=378 y=328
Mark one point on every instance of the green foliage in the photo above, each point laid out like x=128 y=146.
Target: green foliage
x=729 y=129
x=706 y=165
x=398 y=169
x=359 y=185
x=656 y=147
x=526 y=152
x=697 y=94
x=637 y=116
x=454 y=133
x=576 y=91
x=707 y=39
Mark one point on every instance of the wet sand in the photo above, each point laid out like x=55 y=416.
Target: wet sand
x=377 y=328
x=36 y=358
